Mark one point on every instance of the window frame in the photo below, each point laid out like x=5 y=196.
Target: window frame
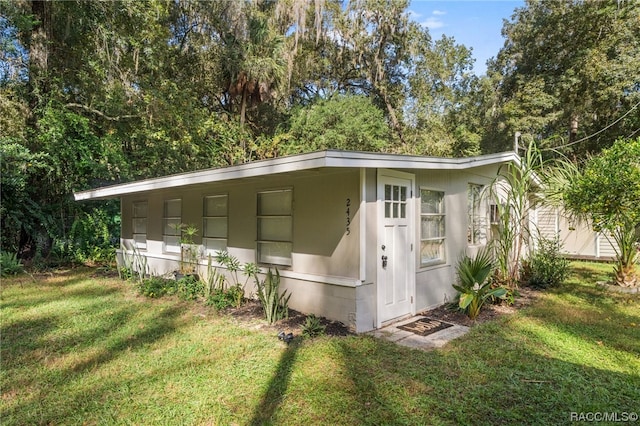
x=476 y=216
x=205 y=216
x=166 y=247
x=442 y=239
x=396 y=202
x=134 y=219
x=261 y=241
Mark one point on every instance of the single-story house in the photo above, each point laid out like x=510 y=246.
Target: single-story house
x=361 y=238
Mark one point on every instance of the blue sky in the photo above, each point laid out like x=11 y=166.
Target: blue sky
x=474 y=23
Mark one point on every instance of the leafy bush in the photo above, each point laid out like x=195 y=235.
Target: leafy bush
x=9 y=264
x=156 y=287
x=474 y=285
x=189 y=287
x=312 y=327
x=219 y=299
x=274 y=304
x=224 y=290
x=222 y=299
x=546 y=268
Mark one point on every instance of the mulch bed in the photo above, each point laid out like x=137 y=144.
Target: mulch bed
x=250 y=313
x=489 y=312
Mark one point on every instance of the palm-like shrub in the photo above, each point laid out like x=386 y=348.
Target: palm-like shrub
x=473 y=282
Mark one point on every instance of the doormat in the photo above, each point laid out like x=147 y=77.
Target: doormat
x=425 y=326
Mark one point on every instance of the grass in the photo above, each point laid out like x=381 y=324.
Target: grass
x=81 y=349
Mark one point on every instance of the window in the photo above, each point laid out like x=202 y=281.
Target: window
x=477 y=218
x=395 y=201
x=140 y=224
x=171 y=225
x=494 y=214
x=215 y=223
x=431 y=227
x=275 y=227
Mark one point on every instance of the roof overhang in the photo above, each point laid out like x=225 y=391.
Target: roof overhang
x=294 y=163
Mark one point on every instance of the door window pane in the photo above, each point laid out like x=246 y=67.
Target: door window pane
x=395 y=204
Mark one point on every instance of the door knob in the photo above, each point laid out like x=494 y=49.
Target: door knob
x=384 y=261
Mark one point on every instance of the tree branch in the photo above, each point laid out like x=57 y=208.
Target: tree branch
x=100 y=113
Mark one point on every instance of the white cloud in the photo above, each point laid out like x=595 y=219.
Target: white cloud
x=414 y=15
x=439 y=12
x=432 y=23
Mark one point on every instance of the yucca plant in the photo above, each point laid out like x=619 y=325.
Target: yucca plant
x=313 y=327
x=274 y=304
x=474 y=285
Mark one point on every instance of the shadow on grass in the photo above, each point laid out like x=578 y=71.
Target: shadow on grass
x=372 y=381
x=49 y=351
x=277 y=387
x=38 y=293
x=593 y=314
x=493 y=377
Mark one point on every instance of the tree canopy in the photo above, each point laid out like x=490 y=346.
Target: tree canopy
x=93 y=93
x=567 y=77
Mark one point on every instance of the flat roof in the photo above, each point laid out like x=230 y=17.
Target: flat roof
x=293 y=163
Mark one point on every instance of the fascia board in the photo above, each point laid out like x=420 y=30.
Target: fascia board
x=330 y=158
x=391 y=161
x=254 y=169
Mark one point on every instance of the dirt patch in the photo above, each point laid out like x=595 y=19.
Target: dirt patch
x=489 y=312
x=250 y=313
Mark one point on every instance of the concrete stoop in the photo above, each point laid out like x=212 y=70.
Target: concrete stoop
x=407 y=338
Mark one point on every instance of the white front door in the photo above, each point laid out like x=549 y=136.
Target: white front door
x=396 y=263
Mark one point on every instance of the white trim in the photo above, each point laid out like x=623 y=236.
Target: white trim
x=411 y=219
x=329 y=159
x=363 y=224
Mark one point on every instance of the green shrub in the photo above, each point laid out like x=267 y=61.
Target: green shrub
x=312 y=327
x=274 y=304
x=220 y=285
x=9 y=264
x=222 y=299
x=546 y=268
x=219 y=299
x=189 y=287
x=474 y=285
x=156 y=287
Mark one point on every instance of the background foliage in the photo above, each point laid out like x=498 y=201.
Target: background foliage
x=94 y=93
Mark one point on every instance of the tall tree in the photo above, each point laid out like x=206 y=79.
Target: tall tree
x=570 y=71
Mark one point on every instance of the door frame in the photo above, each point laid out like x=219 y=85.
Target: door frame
x=411 y=243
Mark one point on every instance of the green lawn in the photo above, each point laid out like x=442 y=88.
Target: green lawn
x=81 y=349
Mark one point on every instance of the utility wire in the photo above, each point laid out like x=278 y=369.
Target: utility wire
x=596 y=133
x=633 y=133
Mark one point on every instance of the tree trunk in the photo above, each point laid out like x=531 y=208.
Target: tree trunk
x=39 y=53
x=395 y=124
x=573 y=129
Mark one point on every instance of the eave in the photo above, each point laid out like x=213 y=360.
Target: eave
x=294 y=163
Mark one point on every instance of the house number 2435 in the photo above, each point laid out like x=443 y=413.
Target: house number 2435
x=348 y=212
